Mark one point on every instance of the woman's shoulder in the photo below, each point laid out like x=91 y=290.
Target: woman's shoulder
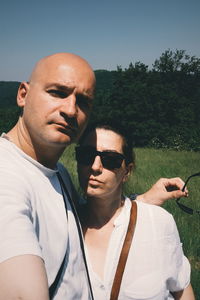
x=156 y=216
x=153 y=209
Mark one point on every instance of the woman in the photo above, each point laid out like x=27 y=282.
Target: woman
x=156 y=264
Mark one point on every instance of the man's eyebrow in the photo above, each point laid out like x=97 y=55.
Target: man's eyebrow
x=59 y=86
x=68 y=88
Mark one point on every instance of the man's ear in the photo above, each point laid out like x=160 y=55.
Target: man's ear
x=21 y=94
x=129 y=169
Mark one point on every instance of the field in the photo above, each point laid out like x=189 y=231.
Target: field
x=152 y=164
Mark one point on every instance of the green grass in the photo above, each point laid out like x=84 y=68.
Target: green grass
x=152 y=164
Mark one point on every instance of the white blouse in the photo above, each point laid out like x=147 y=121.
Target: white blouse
x=156 y=263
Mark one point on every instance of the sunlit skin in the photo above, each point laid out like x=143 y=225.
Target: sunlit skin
x=100 y=185
x=103 y=189
x=56 y=104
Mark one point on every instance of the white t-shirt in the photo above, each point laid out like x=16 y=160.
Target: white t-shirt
x=155 y=264
x=33 y=220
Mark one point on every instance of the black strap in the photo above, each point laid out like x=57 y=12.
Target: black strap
x=53 y=287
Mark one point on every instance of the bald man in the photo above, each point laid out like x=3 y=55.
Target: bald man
x=39 y=243
x=35 y=232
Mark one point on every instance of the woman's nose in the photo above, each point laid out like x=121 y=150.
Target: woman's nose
x=97 y=164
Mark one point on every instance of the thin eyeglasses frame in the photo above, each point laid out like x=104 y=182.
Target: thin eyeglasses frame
x=183 y=207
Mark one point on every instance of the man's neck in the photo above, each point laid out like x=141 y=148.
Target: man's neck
x=47 y=157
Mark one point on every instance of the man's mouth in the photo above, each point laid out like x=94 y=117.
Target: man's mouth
x=65 y=127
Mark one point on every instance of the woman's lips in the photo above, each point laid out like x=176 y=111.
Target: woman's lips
x=94 y=181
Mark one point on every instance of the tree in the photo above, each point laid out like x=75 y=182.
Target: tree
x=177 y=61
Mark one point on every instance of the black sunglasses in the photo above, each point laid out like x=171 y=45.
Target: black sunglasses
x=110 y=160
x=182 y=206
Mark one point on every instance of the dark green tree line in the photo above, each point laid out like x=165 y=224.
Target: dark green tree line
x=159 y=107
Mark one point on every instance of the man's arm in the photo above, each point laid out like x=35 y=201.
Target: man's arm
x=23 y=277
x=186 y=294
x=164 y=189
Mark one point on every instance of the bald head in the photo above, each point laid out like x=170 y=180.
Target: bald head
x=55 y=66
x=56 y=102
x=58 y=62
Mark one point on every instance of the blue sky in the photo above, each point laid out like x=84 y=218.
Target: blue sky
x=105 y=32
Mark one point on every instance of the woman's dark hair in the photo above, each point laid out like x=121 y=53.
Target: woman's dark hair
x=127 y=140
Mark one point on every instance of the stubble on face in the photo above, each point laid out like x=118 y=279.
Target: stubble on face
x=33 y=132
x=72 y=73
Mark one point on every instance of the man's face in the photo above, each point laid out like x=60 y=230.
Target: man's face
x=57 y=103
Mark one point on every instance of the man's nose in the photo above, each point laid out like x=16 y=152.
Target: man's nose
x=69 y=106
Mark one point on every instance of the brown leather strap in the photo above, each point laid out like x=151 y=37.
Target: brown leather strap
x=124 y=253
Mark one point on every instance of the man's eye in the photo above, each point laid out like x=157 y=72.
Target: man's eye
x=57 y=93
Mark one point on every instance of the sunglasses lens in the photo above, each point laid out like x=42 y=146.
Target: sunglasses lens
x=110 y=160
x=85 y=155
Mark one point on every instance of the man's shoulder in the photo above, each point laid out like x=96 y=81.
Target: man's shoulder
x=7 y=146
x=13 y=165
x=8 y=152
x=4 y=142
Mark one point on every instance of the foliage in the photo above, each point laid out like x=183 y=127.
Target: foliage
x=9 y=112
x=8 y=92
x=8 y=118
x=177 y=61
x=158 y=107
